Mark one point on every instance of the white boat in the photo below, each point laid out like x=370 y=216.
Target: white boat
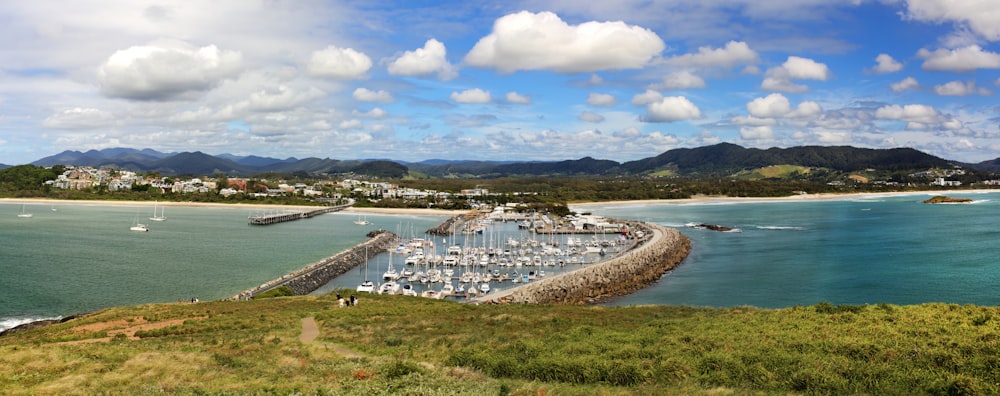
x=158 y=217
x=390 y=274
x=484 y=287
x=367 y=287
x=138 y=226
x=408 y=290
x=24 y=214
x=389 y=288
x=447 y=290
x=361 y=221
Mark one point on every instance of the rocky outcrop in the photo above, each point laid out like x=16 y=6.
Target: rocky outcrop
x=944 y=199
x=661 y=250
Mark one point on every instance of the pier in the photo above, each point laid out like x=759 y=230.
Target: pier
x=315 y=275
x=283 y=217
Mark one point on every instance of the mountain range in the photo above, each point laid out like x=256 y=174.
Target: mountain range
x=715 y=160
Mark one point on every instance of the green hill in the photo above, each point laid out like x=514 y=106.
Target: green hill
x=404 y=345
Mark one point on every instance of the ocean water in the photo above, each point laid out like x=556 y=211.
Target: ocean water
x=81 y=258
x=890 y=249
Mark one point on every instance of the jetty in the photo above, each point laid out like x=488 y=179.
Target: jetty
x=283 y=217
x=315 y=275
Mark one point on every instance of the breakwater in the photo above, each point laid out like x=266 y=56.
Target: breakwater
x=657 y=251
x=317 y=274
x=283 y=217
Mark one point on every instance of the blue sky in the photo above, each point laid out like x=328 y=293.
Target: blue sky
x=533 y=80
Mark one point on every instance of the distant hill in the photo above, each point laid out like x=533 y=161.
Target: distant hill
x=722 y=159
x=5 y=166
x=727 y=158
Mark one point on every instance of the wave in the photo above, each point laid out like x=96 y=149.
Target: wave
x=780 y=228
x=10 y=323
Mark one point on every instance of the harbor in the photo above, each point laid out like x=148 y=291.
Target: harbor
x=481 y=257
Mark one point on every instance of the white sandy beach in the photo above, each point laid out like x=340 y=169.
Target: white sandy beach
x=793 y=198
x=406 y=211
x=443 y=212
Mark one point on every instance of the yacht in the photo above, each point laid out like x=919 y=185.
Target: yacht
x=158 y=217
x=367 y=287
x=23 y=214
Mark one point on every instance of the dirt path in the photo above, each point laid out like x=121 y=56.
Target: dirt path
x=310 y=331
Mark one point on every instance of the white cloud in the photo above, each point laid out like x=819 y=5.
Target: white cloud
x=959 y=60
x=885 y=64
x=474 y=95
x=905 y=84
x=599 y=99
x=350 y=124
x=590 y=117
x=979 y=16
x=672 y=108
x=680 y=80
x=530 y=41
x=648 y=97
x=909 y=113
x=795 y=68
x=423 y=62
x=807 y=109
x=367 y=95
x=375 y=113
x=774 y=105
x=757 y=133
x=280 y=98
x=958 y=88
x=339 y=63
x=514 y=97
x=805 y=69
x=751 y=120
x=79 y=117
x=166 y=71
x=734 y=53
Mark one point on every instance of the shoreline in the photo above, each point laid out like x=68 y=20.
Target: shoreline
x=352 y=209
x=709 y=199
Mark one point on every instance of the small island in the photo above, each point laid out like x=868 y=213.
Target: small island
x=937 y=199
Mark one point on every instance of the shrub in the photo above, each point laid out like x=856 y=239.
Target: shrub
x=280 y=291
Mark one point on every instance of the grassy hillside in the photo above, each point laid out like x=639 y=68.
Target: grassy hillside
x=399 y=345
x=773 y=172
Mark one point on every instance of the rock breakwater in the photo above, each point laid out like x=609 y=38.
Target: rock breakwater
x=317 y=274
x=658 y=251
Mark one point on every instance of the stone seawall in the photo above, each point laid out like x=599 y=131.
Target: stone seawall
x=317 y=274
x=661 y=250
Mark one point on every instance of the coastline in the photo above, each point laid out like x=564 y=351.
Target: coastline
x=710 y=199
x=353 y=209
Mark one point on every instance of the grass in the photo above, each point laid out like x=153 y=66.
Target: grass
x=429 y=347
x=772 y=172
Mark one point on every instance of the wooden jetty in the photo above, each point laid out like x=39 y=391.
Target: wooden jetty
x=283 y=217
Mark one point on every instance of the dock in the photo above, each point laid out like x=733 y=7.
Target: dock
x=283 y=217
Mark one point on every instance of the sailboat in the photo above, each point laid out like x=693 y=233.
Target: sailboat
x=24 y=214
x=367 y=286
x=361 y=221
x=159 y=217
x=138 y=226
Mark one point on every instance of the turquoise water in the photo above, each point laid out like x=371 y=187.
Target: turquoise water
x=892 y=250
x=877 y=250
x=81 y=258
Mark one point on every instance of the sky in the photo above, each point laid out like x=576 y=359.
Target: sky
x=497 y=80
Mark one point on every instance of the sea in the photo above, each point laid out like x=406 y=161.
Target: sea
x=73 y=258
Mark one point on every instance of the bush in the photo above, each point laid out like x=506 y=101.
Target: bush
x=280 y=291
